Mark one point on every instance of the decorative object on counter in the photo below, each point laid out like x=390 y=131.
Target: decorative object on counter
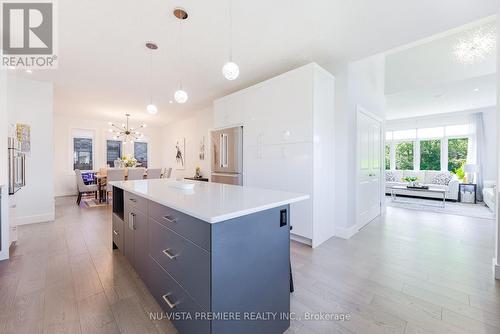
x=198 y=172
x=180 y=95
x=180 y=153
x=129 y=161
x=125 y=132
x=151 y=108
x=202 y=148
x=411 y=180
x=23 y=134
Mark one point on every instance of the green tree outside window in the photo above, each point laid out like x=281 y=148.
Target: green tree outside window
x=404 y=156
x=387 y=156
x=430 y=155
x=457 y=153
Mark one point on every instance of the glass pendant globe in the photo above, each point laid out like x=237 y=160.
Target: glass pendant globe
x=181 y=96
x=151 y=108
x=230 y=70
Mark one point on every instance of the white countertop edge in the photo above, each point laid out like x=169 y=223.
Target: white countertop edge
x=216 y=219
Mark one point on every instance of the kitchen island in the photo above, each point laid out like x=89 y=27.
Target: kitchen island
x=215 y=257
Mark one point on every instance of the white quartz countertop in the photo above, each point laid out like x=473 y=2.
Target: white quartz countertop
x=211 y=202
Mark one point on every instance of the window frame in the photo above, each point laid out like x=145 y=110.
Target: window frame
x=106 y=151
x=147 y=151
x=416 y=149
x=81 y=133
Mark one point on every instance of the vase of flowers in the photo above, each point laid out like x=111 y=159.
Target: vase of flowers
x=129 y=161
x=412 y=181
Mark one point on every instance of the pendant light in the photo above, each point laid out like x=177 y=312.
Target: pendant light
x=151 y=108
x=180 y=95
x=230 y=70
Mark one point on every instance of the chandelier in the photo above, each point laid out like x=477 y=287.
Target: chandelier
x=476 y=45
x=125 y=132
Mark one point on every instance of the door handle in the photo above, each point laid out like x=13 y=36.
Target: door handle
x=168 y=254
x=133 y=200
x=116 y=233
x=131 y=221
x=169 y=303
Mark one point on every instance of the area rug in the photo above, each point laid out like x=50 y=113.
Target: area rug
x=92 y=203
x=462 y=209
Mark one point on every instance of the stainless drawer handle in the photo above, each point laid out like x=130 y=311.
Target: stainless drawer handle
x=116 y=233
x=169 y=303
x=168 y=254
x=131 y=221
x=170 y=219
x=133 y=200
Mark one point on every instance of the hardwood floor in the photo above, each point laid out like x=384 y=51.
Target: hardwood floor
x=411 y=272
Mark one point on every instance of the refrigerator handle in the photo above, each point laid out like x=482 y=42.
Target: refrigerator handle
x=223 y=150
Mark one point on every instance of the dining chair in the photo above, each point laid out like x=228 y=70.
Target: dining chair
x=113 y=174
x=167 y=172
x=83 y=188
x=154 y=173
x=136 y=173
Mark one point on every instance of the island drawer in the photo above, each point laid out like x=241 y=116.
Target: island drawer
x=138 y=202
x=193 y=229
x=187 y=263
x=118 y=231
x=172 y=298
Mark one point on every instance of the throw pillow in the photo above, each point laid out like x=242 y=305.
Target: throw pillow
x=442 y=179
x=390 y=177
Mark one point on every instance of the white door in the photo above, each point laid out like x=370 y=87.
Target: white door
x=369 y=168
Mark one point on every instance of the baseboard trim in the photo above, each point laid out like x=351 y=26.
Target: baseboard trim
x=300 y=239
x=349 y=232
x=47 y=217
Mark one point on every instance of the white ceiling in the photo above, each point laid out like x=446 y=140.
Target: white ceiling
x=103 y=66
x=425 y=78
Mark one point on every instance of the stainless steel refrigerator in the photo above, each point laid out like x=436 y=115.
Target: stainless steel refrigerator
x=227 y=156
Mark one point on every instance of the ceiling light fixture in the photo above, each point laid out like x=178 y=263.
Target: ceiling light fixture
x=29 y=71
x=151 y=108
x=476 y=89
x=231 y=70
x=476 y=45
x=180 y=95
x=125 y=132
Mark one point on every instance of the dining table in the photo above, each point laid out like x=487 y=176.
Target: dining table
x=101 y=180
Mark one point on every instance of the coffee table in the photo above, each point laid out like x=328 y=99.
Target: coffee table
x=394 y=189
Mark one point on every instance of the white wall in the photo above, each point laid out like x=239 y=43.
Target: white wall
x=4 y=218
x=63 y=154
x=193 y=129
x=359 y=83
x=31 y=102
x=490 y=164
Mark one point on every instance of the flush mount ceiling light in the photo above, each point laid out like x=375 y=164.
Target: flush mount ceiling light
x=230 y=70
x=180 y=95
x=476 y=45
x=151 y=108
x=125 y=132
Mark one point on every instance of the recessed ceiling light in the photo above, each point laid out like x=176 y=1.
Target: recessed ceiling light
x=170 y=101
x=29 y=71
x=476 y=89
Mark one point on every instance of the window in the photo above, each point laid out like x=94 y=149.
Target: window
x=404 y=155
x=141 y=153
x=387 y=156
x=404 y=134
x=430 y=155
x=427 y=133
x=457 y=153
x=82 y=154
x=113 y=151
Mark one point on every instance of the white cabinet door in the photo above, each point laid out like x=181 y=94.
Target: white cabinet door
x=369 y=164
x=284 y=167
x=230 y=110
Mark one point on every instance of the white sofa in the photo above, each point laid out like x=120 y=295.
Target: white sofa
x=425 y=178
x=489 y=194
